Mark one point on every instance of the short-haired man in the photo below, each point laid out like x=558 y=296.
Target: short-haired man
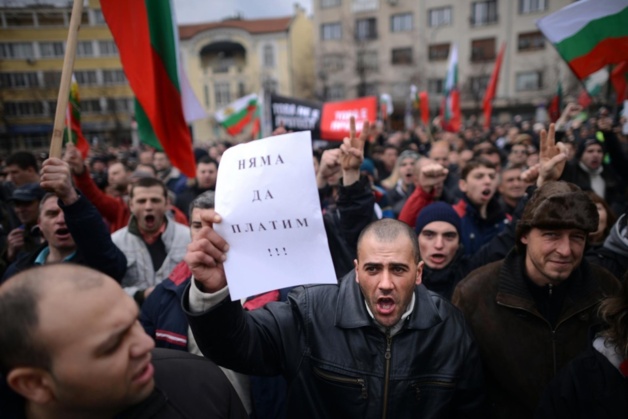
x=21 y=168
x=532 y=311
x=72 y=228
x=171 y=176
x=511 y=188
x=153 y=243
x=481 y=215
x=205 y=180
x=377 y=344
x=118 y=179
x=72 y=348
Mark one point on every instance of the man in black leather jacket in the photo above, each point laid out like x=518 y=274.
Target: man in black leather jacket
x=379 y=344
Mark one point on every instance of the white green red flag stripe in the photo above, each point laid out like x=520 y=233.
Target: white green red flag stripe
x=73 y=131
x=238 y=114
x=489 y=95
x=451 y=115
x=589 y=34
x=146 y=34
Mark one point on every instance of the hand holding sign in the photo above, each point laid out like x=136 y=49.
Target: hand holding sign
x=206 y=254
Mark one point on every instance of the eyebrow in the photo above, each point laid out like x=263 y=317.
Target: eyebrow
x=114 y=338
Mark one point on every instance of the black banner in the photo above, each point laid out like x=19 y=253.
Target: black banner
x=295 y=114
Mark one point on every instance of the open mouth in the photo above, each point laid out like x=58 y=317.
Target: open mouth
x=437 y=258
x=62 y=233
x=486 y=193
x=149 y=220
x=385 y=305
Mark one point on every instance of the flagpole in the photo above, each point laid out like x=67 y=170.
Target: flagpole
x=66 y=76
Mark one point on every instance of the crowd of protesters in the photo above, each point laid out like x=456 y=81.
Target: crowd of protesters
x=480 y=274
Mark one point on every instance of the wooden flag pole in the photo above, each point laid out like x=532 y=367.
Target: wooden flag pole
x=56 y=142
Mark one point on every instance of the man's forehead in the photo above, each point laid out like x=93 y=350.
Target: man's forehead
x=148 y=190
x=439 y=227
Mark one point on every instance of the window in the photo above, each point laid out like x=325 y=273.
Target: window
x=336 y=92
x=85 y=77
x=19 y=19
x=16 y=50
x=438 y=52
x=401 y=56
x=242 y=91
x=206 y=95
x=99 y=18
x=84 y=49
x=332 y=62
x=439 y=17
x=483 y=12
x=478 y=84
x=532 y=6
x=52 y=79
x=113 y=77
x=529 y=80
x=435 y=86
x=222 y=94
x=530 y=41
x=370 y=89
x=51 y=18
x=51 y=49
x=24 y=108
x=401 y=22
x=91 y=106
x=329 y=3
x=107 y=48
x=331 y=31
x=366 y=29
x=482 y=50
x=269 y=56
x=367 y=61
x=18 y=80
x=119 y=105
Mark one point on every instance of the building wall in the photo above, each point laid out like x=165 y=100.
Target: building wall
x=423 y=72
x=99 y=118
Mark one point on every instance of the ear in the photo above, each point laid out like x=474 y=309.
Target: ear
x=524 y=238
x=34 y=384
x=355 y=265
x=462 y=185
x=419 y=273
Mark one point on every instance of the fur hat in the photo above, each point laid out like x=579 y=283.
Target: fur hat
x=438 y=211
x=558 y=205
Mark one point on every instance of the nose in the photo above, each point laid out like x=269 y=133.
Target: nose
x=439 y=242
x=385 y=283
x=563 y=246
x=142 y=343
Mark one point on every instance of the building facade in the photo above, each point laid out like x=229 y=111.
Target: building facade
x=370 y=47
x=235 y=57
x=32 y=46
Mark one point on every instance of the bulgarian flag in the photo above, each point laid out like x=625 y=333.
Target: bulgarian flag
x=146 y=34
x=73 y=132
x=589 y=34
x=238 y=114
x=451 y=104
x=556 y=104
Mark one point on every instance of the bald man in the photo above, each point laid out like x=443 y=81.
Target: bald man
x=72 y=348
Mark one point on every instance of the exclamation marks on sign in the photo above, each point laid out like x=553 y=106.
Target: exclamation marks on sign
x=278 y=253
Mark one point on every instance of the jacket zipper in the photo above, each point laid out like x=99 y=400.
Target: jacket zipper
x=387 y=356
x=553 y=330
x=343 y=380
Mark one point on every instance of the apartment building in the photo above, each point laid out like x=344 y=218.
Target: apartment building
x=32 y=46
x=235 y=57
x=370 y=47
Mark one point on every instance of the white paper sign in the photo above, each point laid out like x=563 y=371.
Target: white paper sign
x=267 y=197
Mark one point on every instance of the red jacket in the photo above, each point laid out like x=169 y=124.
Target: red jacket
x=114 y=210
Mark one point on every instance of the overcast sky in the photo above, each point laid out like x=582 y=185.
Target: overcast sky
x=192 y=11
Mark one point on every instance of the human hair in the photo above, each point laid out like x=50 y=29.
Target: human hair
x=149 y=182
x=614 y=312
x=46 y=197
x=23 y=160
x=207 y=160
x=387 y=230
x=205 y=200
x=473 y=164
x=610 y=214
x=19 y=319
